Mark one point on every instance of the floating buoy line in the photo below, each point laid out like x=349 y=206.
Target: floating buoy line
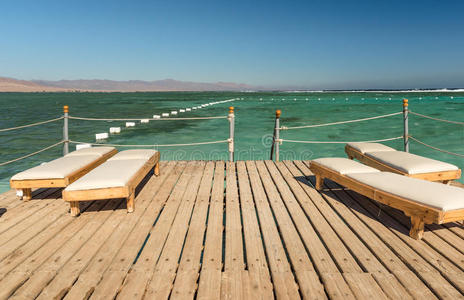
x=116 y=130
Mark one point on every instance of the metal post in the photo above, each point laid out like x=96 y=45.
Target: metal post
x=406 y=125
x=65 y=130
x=277 y=134
x=231 y=133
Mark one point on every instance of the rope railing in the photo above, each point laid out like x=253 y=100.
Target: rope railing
x=339 y=142
x=31 y=125
x=436 y=119
x=150 y=119
x=152 y=145
x=341 y=122
x=31 y=154
x=435 y=148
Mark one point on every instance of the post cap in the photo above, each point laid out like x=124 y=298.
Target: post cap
x=231 y=110
x=405 y=102
x=278 y=112
x=65 y=109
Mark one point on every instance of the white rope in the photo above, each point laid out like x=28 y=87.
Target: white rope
x=435 y=148
x=165 y=145
x=436 y=119
x=341 y=122
x=150 y=119
x=329 y=142
x=31 y=154
x=31 y=125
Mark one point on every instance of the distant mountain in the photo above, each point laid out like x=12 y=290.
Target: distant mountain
x=14 y=85
x=139 y=85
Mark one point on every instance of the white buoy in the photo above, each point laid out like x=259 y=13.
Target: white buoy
x=188 y=109
x=156 y=117
x=165 y=115
x=181 y=110
x=115 y=129
x=144 y=121
x=83 y=146
x=174 y=112
x=101 y=136
x=130 y=124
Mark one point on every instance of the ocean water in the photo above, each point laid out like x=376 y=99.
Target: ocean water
x=254 y=122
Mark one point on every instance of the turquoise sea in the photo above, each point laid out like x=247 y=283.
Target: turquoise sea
x=254 y=116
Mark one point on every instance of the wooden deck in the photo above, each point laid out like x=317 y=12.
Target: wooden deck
x=210 y=230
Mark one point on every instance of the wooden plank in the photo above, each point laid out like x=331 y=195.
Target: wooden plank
x=185 y=283
x=441 y=262
x=24 y=231
x=45 y=273
x=157 y=278
x=284 y=283
x=141 y=272
x=364 y=286
x=66 y=277
x=320 y=257
x=308 y=279
x=336 y=286
x=333 y=231
x=258 y=270
x=51 y=254
x=24 y=210
x=209 y=286
x=43 y=243
x=319 y=254
x=452 y=250
x=14 y=215
x=234 y=262
x=348 y=208
x=334 y=210
x=362 y=253
x=106 y=273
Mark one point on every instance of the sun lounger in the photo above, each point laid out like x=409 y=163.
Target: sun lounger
x=116 y=178
x=388 y=159
x=62 y=171
x=423 y=201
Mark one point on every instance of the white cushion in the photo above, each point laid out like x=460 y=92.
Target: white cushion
x=58 y=168
x=116 y=173
x=370 y=147
x=344 y=165
x=100 y=151
x=411 y=163
x=437 y=195
x=134 y=154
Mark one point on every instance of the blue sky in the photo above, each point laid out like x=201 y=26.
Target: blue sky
x=313 y=44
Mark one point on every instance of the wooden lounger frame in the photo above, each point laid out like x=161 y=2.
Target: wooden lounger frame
x=420 y=214
x=444 y=176
x=27 y=184
x=128 y=191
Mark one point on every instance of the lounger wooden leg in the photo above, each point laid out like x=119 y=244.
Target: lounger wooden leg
x=130 y=203
x=27 y=194
x=417 y=228
x=157 y=169
x=319 y=182
x=75 y=210
x=445 y=181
